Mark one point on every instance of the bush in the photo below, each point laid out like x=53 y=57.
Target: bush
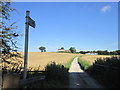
x=56 y=72
x=113 y=61
x=106 y=71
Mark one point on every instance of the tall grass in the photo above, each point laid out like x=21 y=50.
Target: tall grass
x=84 y=64
x=68 y=64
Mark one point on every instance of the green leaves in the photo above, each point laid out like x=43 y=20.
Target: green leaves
x=43 y=49
x=8 y=34
x=72 y=49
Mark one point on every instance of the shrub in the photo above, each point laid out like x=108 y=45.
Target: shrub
x=106 y=71
x=113 y=61
x=56 y=72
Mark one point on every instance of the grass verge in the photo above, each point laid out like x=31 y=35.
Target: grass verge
x=67 y=65
x=84 y=64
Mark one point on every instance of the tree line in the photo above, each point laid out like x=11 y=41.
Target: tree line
x=100 y=52
x=73 y=50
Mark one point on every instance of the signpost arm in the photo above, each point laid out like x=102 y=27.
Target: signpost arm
x=26 y=45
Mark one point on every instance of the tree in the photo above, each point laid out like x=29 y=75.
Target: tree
x=62 y=47
x=43 y=49
x=9 y=49
x=82 y=52
x=72 y=49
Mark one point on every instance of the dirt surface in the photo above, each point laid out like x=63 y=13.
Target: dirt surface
x=80 y=79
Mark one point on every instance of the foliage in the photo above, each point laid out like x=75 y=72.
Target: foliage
x=100 y=52
x=8 y=35
x=112 y=62
x=43 y=49
x=13 y=68
x=72 y=49
x=57 y=73
x=56 y=76
x=63 y=52
x=62 y=48
x=106 y=71
x=67 y=65
x=84 y=64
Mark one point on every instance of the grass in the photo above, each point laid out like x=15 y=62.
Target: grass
x=68 y=64
x=87 y=60
x=91 y=58
x=84 y=64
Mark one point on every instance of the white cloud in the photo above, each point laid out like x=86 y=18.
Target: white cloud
x=105 y=8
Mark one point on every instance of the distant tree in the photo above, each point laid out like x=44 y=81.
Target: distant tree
x=82 y=52
x=100 y=52
x=43 y=49
x=62 y=47
x=72 y=49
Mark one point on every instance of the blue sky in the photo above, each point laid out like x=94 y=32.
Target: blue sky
x=85 y=26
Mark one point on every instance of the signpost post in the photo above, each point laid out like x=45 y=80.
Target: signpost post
x=30 y=22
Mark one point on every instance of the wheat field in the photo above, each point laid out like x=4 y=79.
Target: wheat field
x=92 y=58
x=36 y=59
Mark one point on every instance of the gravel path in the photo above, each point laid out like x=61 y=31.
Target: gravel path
x=80 y=79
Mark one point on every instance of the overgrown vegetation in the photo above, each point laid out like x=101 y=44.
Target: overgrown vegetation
x=67 y=65
x=84 y=64
x=13 y=68
x=111 y=62
x=8 y=34
x=57 y=76
x=106 y=71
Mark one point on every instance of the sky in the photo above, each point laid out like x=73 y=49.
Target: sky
x=65 y=0
x=83 y=25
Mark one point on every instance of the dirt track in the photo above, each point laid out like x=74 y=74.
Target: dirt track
x=80 y=79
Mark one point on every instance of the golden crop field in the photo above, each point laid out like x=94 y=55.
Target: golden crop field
x=92 y=58
x=43 y=58
x=36 y=59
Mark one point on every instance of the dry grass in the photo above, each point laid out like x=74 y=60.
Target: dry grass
x=43 y=58
x=92 y=58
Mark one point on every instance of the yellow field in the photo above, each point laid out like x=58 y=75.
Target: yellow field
x=92 y=58
x=43 y=58
x=36 y=59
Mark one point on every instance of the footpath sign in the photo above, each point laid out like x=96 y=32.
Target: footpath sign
x=29 y=22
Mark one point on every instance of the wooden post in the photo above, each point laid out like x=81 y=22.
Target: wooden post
x=26 y=44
